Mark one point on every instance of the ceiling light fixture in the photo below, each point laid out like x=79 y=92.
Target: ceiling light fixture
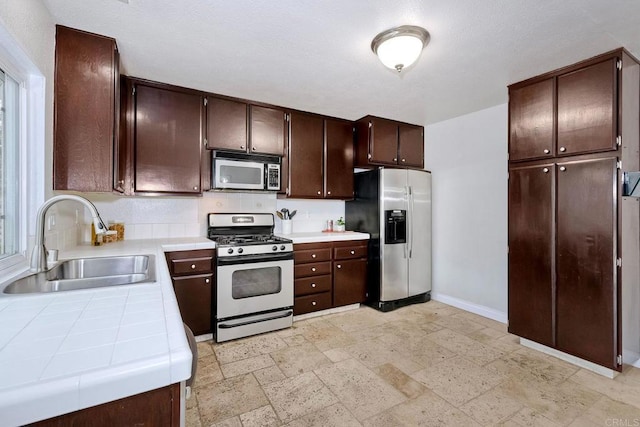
x=400 y=47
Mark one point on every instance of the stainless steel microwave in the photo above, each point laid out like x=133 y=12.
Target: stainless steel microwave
x=237 y=171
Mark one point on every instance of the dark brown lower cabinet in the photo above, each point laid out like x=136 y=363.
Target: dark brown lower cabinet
x=562 y=257
x=194 y=300
x=349 y=282
x=531 y=248
x=329 y=274
x=159 y=407
x=193 y=282
x=586 y=324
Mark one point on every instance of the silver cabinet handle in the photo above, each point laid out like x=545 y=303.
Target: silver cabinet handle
x=253 y=148
x=193 y=266
x=563 y=149
x=562 y=168
x=206 y=280
x=313 y=255
x=352 y=252
x=195 y=187
x=395 y=159
x=242 y=147
x=313 y=269
x=546 y=151
x=545 y=170
x=403 y=160
x=319 y=192
x=313 y=285
x=339 y=266
x=313 y=303
x=329 y=192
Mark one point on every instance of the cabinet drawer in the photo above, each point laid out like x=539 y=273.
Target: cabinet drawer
x=312 y=255
x=314 y=302
x=313 y=269
x=350 y=252
x=191 y=265
x=312 y=285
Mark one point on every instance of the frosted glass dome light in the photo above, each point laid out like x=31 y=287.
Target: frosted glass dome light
x=400 y=47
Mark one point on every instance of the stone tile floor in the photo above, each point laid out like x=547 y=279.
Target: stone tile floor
x=427 y=364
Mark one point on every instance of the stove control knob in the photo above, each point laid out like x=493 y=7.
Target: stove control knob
x=229 y=251
x=275 y=248
x=240 y=250
x=282 y=248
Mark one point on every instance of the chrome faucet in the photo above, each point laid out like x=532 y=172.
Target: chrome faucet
x=39 y=253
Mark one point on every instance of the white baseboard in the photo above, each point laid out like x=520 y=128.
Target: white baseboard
x=606 y=372
x=480 y=310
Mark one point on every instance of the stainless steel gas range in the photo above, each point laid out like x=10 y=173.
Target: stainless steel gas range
x=254 y=276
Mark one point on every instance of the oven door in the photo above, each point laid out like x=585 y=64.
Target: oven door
x=235 y=174
x=253 y=284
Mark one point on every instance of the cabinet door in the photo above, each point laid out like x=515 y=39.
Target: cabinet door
x=194 y=300
x=167 y=140
x=226 y=124
x=267 y=130
x=587 y=109
x=305 y=156
x=586 y=276
x=531 y=242
x=349 y=282
x=531 y=121
x=338 y=154
x=86 y=77
x=411 y=146
x=383 y=142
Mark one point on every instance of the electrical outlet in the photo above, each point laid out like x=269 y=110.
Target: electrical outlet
x=52 y=222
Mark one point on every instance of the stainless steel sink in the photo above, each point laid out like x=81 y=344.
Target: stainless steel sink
x=86 y=273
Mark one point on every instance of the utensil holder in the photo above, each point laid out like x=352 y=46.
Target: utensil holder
x=287 y=226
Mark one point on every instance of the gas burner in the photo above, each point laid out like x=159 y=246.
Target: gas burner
x=247 y=240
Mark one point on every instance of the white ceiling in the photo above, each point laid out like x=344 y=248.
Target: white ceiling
x=315 y=55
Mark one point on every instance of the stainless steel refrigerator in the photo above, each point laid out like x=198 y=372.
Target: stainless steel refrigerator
x=394 y=207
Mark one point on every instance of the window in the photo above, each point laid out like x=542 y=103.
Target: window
x=9 y=165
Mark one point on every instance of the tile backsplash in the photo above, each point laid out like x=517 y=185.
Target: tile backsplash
x=168 y=217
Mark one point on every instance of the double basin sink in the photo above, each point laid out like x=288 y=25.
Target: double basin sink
x=87 y=273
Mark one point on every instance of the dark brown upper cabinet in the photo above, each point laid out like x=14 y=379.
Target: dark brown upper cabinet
x=167 y=139
x=86 y=103
x=531 y=121
x=226 y=124
x=566 y=112
x=320 y=157
x=234 y=125
x=383 y=142
x=267 y=130
x=338 y=159
x=306 y=148
x=587 y=101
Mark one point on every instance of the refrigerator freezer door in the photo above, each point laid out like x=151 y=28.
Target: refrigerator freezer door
x=393 y=257
x=419 y=224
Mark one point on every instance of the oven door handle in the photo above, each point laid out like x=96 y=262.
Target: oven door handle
x=280 y=316
x=246 y=259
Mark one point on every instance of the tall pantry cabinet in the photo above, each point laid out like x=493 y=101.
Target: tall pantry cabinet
x=573 y=238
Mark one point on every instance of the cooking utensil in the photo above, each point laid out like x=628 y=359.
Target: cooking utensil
x=285 y=212
x=279 y=214
x=292 y=214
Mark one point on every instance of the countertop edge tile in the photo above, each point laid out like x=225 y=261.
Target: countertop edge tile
x=318 y=237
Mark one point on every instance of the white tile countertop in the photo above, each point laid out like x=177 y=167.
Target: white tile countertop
x=61 y=352
x=320 y=236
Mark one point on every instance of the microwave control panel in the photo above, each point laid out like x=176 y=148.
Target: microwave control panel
x=273 y=176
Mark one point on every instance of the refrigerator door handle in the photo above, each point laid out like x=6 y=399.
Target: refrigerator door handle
x=410 y=233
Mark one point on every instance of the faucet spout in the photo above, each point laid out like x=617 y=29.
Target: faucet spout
x=39 y=253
